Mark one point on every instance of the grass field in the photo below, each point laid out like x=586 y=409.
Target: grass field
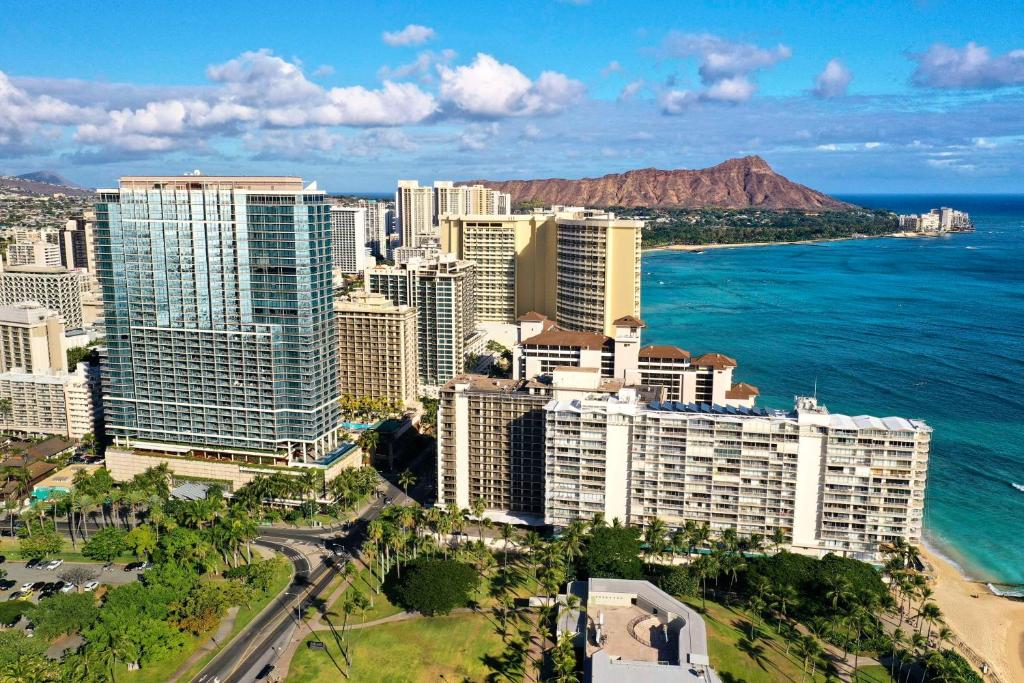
x=873 y=674
x=366 y=583
x=740 y=660
x=422 y=650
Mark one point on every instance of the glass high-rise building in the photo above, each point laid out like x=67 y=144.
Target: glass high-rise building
x=219 y=317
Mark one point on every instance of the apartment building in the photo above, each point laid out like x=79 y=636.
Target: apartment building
x=48 y=402
x=32 y=338
x=834 y=483
x=221 y=339
x=348 y=239
x=76 y=243
x=378 y=224
x=543 y=346
x=35 y=252
x=491 y=436
x=414 y=213
x=571 y=263
x=377 y=348
x=53 y=287
x=442 y=290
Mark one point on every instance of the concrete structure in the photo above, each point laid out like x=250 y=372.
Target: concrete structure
x=32 y=338
x=377 y=348
x=54 y=287
x=578 y=266
x=414 y=213
x=187 y=464
x=633 y=632
x=442 y=290
x=36 y=252
x=77 y=244
x=220 y=318
x=542 y=346
x=49 y=402
x=939 y=220
x=834 y=483
x=378 y=224
x=348 y=239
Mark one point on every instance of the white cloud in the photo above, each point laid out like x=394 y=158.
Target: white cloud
x=827 y=148
x=531 y=132
x=676 y=101
x=23 y=116
x=872 y=145
x=489 y=88
x=720 y=58
x=372 y=143
x=413 y=34
x=969 y=67
x=630 y=90
x=260 y=76
x=477 y=136
x=613 y=67
x=734 y=89
x=421 y=67
x=983 y=143
x=833 y=80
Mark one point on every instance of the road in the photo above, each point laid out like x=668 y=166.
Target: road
x=262 y=639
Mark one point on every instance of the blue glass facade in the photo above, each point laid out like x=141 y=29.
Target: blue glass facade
x=219 y=314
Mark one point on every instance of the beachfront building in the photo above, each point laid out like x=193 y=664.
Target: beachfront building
x=441 y=289
x=32 y=338
x=221 y=339
x=833 y=483
x=54 y=287
x=49 y=402
x=939 y=220
x=578 y=266
x=348 y=239
x=377 y=348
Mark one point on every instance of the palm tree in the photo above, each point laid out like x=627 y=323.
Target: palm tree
x=654 y=537
x=778 y=538
x=785 y=597
x=933 y=615
x=368 y=441
x=706 y=565
x=406 y=479
x=898 y=639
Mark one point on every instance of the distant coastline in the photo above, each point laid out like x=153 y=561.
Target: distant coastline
x=743 y=245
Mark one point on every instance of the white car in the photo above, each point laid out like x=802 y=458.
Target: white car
x=28 y=584
x=53 y=564
x=68 y=587
x=90 y=586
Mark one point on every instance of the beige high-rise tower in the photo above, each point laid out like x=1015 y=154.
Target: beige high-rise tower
x=377 y=348
x=578 y=266
x=31 y=338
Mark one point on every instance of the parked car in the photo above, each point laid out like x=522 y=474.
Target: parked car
x=16 y=595
x=32 y=564
x=145 y=565
x=53 y=564
x=108 y=567
x=3 y=558
x=90 y=586
x=132 y=566
x=264 y=672
x=68 y=587
x=28 y=584
x=7 y=584
x=25 y=595
x=38 y=585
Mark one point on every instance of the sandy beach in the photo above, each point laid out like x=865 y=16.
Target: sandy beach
x=741 y=245
x=992 y=626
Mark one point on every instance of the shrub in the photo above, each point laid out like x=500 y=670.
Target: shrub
x=10 y=612
x=434 y=586
x=613 y=552
x=679 y=581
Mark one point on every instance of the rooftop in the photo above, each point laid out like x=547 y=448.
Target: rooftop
x=664 y=351
x=556 y=336
x=717 y=361
x=742 y=390
x=629 y=321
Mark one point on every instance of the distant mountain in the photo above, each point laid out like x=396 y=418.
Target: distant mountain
x=734 y=184
x=50 y=177
x=43 y=183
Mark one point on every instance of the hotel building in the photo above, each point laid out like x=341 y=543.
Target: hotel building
x=32 y=338
x=414 y=213
x=377 y=348
x=49 y=402
x=35 y=252
x=54 y=287
x=221 y=339
x=378 y=221
x=578 y=266
x=348 y=239
x=441 y=288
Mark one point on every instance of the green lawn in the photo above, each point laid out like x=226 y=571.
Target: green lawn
x=366 y=583
x=162 y=671
x=873 y=674
x=738 y=659
x=422 y=650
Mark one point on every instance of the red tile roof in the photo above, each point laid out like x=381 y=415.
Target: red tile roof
x=556 y=336
x=717 y=361
x=742 y=390
x=629 y=321
x=664 y=351
x=532 y=316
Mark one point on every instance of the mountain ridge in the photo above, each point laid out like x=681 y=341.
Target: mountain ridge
x=739 y=183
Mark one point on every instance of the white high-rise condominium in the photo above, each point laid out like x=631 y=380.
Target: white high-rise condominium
x=414 y=212
x=378 y=217
x=348 y=238
x=31 y=338
x=36 y=252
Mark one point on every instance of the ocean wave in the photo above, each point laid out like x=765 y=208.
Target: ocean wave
x=1005 y=591
x=1019 y=487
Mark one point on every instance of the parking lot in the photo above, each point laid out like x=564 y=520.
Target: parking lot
x=17 y=573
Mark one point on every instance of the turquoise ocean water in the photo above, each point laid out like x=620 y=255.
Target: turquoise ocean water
x=921 y=328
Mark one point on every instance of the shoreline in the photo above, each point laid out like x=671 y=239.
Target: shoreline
x=989 y=624
x=744 y=245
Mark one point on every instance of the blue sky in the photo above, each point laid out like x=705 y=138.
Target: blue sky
x=849 y=97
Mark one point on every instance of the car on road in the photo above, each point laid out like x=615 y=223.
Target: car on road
x=16 y=595
x=90 y=586
x=53 y=564
x=108 y=567
x=264 y=672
